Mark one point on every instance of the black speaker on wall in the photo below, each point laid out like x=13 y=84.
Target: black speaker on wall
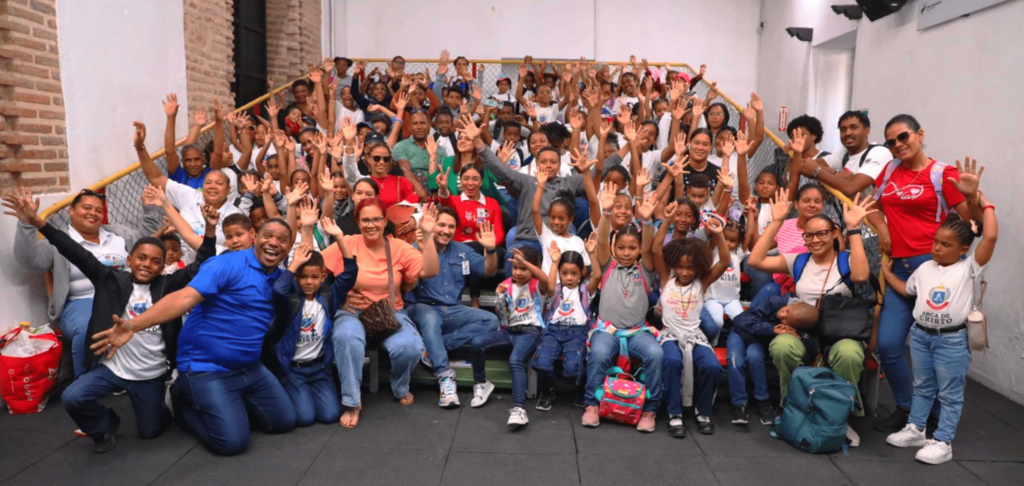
x=876 y=9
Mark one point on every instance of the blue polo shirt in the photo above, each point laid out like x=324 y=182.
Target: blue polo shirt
x=181 y=177
x=446 y=287
x=225 y=332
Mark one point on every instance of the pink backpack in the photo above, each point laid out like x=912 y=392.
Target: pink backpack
x=622 y=397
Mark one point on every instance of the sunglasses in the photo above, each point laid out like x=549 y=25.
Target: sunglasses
x=901 y=138
x=379 y=158
x=821 y=235
x=90 y=192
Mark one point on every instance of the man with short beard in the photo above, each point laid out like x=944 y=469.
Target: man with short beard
x=444 y=321
x=220 y=376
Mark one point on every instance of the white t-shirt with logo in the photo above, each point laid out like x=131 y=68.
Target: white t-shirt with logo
x=189 y=202
x=523 y=311
x=816 y=278
x=570 y=310
x=876 y=159
x=681 y=306
x=727 y=287
x=144 y=357
x=574 y=243
x=311 y=334
x=110 y=252
x=945 y=295
x=547 y=114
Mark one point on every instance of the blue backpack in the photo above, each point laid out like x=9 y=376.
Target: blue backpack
x=815 y=411
x=844 y=267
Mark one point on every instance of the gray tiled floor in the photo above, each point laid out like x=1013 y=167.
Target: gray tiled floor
x=423 y=444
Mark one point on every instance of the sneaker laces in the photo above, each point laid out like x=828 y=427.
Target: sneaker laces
x=517 y=412
x=478 y=389
x=447 y=386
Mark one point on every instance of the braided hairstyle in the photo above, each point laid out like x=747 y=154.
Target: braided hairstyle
x=960 y=228
x=698 y=251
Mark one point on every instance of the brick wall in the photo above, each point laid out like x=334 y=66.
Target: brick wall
x=33 y=146
x=293 y=38
x=209 y=47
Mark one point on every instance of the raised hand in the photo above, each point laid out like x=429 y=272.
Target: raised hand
x=531 y=110
x=581 y=163
x=320 y=143
x=607 y=197
x=139 y=136
x=606 y=128
x=742 y=144
x=469 y=128
x=679 y=167
x=298 y=193
x=554 y=252
x=591 y=244
x=725 y=178
x=314 y=74
x=643 y=178
x=713 y=227
x=302 y=254
x=359 y=68
x=485 y=235
x=854 y=214
x=171 y=104
x=713 y=92
x=218 y=111
x=728 y=147
x=211 y=215
x=249 y=183
x=755 y=102
x=799 y=140
x=199 y=118
x=23 y=207
x=272 y=108
x=307 y=213
x=542 y=179
x=749 y=113
x=781 y=204
x=647 y=207
x=680 y=145
x=576 y=119
x=337 y=146
x=429 y=219
x=522 y=71
x=970 y=177
x=331 y=227
x=431 y=147
x=698 y=108
x=751 y=207
x=670 y=210
x=348 y=129
x=678 y=109
x=442 y=176
x=268 y=185
x=507 y=149
x=629 y=131
x=326 y=182
x=153 y=196
x=703 y=69
x=279 y=138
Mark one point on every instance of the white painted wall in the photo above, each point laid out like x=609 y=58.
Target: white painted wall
x=660 y=30
x=961 y=80
x=118 y=59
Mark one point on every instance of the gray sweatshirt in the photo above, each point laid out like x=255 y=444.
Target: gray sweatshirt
x=39 y=255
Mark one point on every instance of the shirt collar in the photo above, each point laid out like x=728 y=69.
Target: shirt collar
x=75 y=235
x=482 y=200
x=250 y=258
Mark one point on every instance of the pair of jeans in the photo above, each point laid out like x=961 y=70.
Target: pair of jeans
x=474 y=282
x=582 y=212
x=81 y=400
x=445 y=328
x=557 y=341
x=718 y=309
x=311 y=390
x=940 y=370
x=758 y=278
x=745 y=356
x=708 y=326
x=893 y=327
x=707 y=371
x=220 y=404
x=605 y=347
x=845 y=357
x=523 y=343
x=74 y=324
x=511 y=244
x=769 y=290
x=404 y=347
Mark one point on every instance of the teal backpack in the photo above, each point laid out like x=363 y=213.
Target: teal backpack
x=815 y=410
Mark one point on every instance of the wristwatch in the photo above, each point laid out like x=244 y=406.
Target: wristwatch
x=816 y=171
x=489 y=252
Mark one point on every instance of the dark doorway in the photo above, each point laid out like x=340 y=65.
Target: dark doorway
x=250 y=56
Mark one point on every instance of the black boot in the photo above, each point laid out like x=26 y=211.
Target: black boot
x=894 y=422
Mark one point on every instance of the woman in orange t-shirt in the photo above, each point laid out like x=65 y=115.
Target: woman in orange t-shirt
x=405 y=346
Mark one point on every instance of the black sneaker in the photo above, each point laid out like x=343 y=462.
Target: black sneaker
x=676 y=428
x=106 y=442
x=546 y=399
x=580 y=400
x=740 y=416
x=767 y=412
x=894 y=422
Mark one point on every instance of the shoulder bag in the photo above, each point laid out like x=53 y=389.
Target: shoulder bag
x=379 y=319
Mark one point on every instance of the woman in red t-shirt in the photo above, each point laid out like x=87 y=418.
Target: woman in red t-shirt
x=909 y=203
x=473 y=208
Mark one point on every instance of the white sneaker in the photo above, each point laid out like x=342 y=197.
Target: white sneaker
x=481 y=392
x=852 y=436
x=935 y=452
x=910 y=436
x=517 y=417
x=449 y=396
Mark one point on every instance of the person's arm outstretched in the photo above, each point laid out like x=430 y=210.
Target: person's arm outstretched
x=759 y=258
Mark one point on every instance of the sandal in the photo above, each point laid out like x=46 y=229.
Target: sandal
x=350 y=419
x=406 y=400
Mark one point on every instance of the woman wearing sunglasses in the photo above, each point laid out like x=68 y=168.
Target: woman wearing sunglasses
x=71 y=300
x=915 y=194
x=820 y=276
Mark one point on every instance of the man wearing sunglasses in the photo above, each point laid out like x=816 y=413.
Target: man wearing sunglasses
x=852 y=170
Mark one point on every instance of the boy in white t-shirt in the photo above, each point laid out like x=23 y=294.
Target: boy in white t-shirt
x=939 y=348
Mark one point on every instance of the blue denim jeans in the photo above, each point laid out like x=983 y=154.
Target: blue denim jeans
x=893 y=326
x=758 y=278
x=940 y=370
x=523 y=343
x=707 y=371
x=312 y=391
x=404 y=347
x=446 y=328
x=743 y=357
x=582 y=212
x=604 y=348
x=220 y=404
x=708 y=326
x=511 y=243
x=768 y=291
x=561 y=340
x=81 y=400
x=74 y=324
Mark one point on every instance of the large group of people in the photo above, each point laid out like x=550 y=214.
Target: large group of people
x=617 y=200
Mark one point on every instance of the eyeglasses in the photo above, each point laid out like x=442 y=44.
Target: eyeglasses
x=90 y=192
x=373 y=221
x=379 y=158
x=901 y=138
x=821 y=235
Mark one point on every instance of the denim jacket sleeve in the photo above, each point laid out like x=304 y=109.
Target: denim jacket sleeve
x=343 y=284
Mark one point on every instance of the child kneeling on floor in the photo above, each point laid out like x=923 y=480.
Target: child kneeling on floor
x=519 y=306
x=568 y=322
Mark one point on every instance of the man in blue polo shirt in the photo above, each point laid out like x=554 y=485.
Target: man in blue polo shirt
x=444 y=321
x=220 y=376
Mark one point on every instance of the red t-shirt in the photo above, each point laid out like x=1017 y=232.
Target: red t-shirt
x=471 y=213
x=394 y=189
x=910 y=213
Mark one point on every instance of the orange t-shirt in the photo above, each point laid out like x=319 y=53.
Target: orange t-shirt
x=372 y=280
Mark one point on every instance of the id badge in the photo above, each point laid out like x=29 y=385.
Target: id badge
x=465 y=267
x=481 y=214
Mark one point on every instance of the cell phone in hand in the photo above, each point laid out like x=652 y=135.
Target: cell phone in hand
x=491 y=103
